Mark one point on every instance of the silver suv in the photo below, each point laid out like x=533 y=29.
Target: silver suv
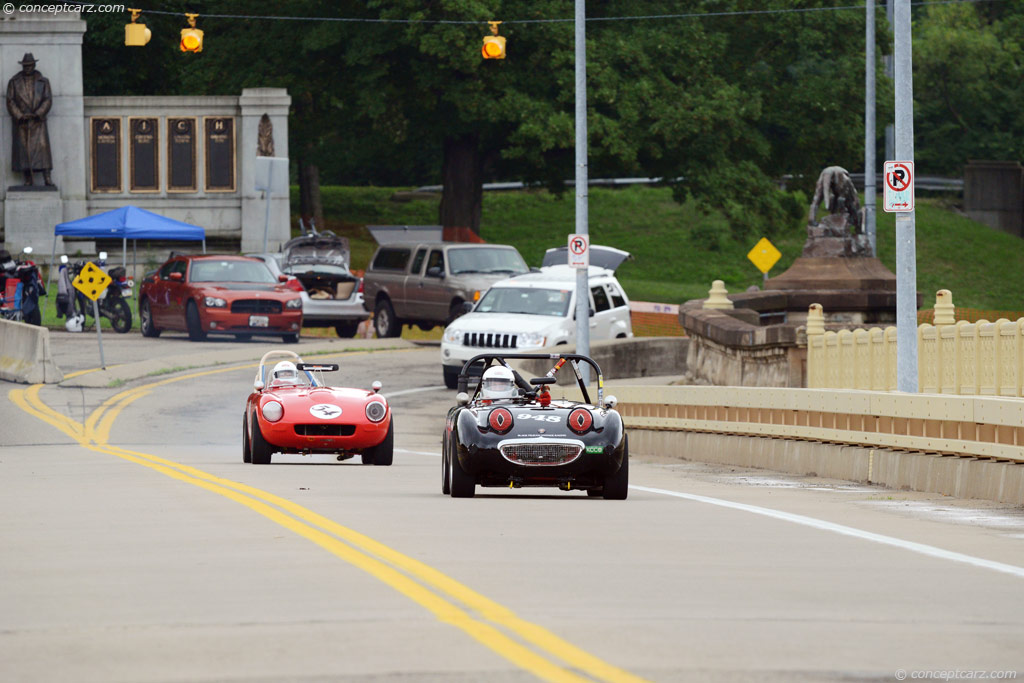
x=428 y=283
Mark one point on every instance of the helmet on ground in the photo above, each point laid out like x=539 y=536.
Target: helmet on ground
x=498 y=382
x=285 y=374
x=74 y=323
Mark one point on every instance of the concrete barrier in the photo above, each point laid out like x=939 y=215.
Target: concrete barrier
x=634 y=357
x=25 y=354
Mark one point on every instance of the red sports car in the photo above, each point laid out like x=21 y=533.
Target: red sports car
x=291 y=410
x=204 y=294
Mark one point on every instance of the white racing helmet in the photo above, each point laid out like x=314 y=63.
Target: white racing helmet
x=498 y=382
x=285 y=374
x=75 y=323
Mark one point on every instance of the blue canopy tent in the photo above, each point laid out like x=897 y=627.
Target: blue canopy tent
x=128 y=223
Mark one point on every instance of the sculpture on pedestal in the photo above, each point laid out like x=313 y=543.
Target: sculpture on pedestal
x=840 y=233
x=28 y=101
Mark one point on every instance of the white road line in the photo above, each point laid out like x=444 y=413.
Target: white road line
x=921 y=548
x=417 y=390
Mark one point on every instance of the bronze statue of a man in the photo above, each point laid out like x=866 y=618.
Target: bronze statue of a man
x=29 y=100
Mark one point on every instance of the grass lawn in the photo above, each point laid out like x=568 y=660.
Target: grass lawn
x=983 y=268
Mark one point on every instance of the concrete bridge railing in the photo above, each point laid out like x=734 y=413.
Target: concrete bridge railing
x=982 y=358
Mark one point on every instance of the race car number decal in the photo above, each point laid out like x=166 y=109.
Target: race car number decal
x=542 y=418
x=325 y=411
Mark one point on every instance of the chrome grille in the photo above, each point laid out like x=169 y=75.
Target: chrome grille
x=540 y=453
x=255 y=306
x=490 y=340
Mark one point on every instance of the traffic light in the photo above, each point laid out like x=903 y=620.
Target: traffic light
x=136 y=34
x=494 y=45
x=191 y=38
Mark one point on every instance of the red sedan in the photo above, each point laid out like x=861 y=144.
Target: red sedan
x=292 y=410
x=205 y=294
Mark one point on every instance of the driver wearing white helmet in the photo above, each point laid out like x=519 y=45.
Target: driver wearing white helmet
x=498 y=382
x=285 y=374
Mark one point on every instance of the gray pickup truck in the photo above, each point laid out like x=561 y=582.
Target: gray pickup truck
x=428 y=283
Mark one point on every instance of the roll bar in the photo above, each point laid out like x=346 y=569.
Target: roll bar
x=573 y=358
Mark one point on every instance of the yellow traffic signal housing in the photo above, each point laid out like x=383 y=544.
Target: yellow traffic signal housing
x=191 y=38
x=494 y=45
x=136 y=34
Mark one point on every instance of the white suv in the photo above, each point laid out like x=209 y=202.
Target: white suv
x=532 y=311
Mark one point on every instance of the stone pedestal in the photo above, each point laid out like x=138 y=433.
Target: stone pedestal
x=30 y=215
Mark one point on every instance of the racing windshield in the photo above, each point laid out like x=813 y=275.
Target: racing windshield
x=231 y=271
x=525 y=301
x=486 y=260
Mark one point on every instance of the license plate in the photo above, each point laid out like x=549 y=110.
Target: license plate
x=258 y=321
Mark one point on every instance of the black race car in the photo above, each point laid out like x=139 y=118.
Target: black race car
x=531 y=439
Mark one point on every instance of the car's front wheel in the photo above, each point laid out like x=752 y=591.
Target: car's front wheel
x=347 y=330
x=195 y=326
x=616 y=486
x=451 y=377
x=461 y=483
x=246 y=452
x=261 y=449
x=290 y=338
x=384 y=452
x=445 y=489
x=384 y=320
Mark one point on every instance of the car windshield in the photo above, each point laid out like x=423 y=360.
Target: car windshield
x=486 y=260
x=525 y=300
x=231 y=271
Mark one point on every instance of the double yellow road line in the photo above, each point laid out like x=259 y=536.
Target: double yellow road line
x=527 y=645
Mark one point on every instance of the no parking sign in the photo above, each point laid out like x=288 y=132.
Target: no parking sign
x=898 y=193
x=579 y=251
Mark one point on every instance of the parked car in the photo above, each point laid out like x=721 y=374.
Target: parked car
x=292 y=410
x=209 y=294
x=512 y=433
x=332 y=296
x=533 y=311
x=426 y=283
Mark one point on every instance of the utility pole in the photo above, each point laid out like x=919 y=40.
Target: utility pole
x=582 y=280
x=890 y=133
x=906 y=241
x=869 y=127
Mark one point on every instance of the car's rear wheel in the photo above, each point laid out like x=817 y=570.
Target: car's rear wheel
x=261 y=449
x=616 y=486
x=461 y=484
x=146 y=320
x=246 y=452
x=347 y=330
x=384 y=320
x=384 y=452
x=195 y=326
x=451 y=377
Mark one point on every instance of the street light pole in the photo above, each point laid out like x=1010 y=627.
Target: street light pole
x=582 y=281
x=869 y=127
x=906 y=241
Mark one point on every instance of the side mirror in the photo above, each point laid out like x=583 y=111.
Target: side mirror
x=462 y=398
x=27 y=250
x=435 y=271
x=176 y=277
x=467 y=306
x=282 y=278
x=376 y=386
x=610 y=402
x=258 y=385
x=591 y=312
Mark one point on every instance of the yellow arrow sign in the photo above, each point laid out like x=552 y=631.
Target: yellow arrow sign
x=764 y=255
x=91 y=281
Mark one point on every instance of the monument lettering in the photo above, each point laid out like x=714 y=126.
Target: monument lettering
x=144 y=154
x=106 y=154
x=181 y=155
x=220 y=154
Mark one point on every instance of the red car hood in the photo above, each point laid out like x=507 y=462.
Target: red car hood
x=304 y=398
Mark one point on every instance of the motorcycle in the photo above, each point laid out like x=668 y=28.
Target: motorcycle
x=21 y=285
x=112 y=305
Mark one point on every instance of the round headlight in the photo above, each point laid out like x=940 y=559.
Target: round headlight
x=375 y=411
x=273 y=411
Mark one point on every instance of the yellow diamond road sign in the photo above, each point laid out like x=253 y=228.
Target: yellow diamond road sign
x=764 y=255
x=91 y=281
